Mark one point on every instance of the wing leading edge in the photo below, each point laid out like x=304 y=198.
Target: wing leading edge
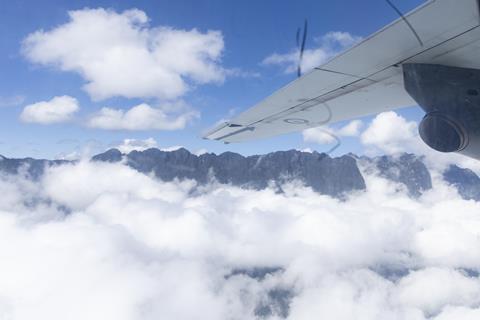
x=366 y=79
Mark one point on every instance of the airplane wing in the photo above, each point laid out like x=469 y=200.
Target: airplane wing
x=367 y=78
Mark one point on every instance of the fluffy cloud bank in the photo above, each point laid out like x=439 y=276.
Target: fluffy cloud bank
x=102 y=241
x=119 y=54
x=326 y=47
x=140 y=117
x=59 y=109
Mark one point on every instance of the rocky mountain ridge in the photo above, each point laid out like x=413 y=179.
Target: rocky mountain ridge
x=335 y=177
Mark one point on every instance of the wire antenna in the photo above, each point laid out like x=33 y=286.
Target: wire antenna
x=406 y=21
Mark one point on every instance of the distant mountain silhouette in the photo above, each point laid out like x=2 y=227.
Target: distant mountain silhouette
x=335 y=177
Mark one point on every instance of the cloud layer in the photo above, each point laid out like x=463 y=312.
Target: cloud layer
x=102 y=241
x=119 y=54
x=59 y=109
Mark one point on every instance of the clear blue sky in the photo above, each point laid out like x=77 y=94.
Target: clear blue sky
x=252 y=30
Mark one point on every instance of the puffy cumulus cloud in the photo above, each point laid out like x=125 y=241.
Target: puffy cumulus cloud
x=102 y=241
x=142 y=117
x=392 y=134
x=129 y=145
x=322 y=135
x=119 y=54
x=326 y=47
x=59 y=109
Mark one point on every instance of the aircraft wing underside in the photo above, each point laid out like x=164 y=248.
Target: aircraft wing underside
x=367 y=78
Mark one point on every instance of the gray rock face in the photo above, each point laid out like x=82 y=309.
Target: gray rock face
x=465 y=180
x=407 y=169
x=29 y=167
x=331 y=176
x=335 y=177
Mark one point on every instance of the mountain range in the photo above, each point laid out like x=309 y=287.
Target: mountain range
x=333 y=176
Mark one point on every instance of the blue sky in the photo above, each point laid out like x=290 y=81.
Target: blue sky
x=251 y=31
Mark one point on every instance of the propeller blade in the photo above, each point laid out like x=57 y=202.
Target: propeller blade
x=301 y=47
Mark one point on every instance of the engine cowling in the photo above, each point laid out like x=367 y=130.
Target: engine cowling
x=442 y=133
x=450 y=97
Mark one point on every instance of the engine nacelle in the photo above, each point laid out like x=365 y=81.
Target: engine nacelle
x=443 y=134
x=451 y=98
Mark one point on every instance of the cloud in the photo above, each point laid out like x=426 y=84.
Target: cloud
x=129 y=145
x=326 y=135
x=81 y=149
x=172 y=148
x=120 y=54
x=59 y=109
x=200 y=151
x=140 y=117
x=102 y=241
x=391 y=133
x=326 y=47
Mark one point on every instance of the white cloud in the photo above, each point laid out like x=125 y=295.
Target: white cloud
x=352 y=129
x=133 y=247
x=59 y=109
x=140 y=117
x=327 y=47
x=81 y=150
x=129 y=145
x=171 y=148
x=326 y=135
x=391 y=132
x=119 y=54
x=433 y=288
x=201 y=151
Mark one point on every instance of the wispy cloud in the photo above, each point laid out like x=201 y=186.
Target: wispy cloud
x=325 y=135
x=324 y=48
x=11 y=101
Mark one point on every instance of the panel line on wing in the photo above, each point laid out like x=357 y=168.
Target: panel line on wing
x=294 y=108
x=359 y=79
x=248 y=128
x=343 y=73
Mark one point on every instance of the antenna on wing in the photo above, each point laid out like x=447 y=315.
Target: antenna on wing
x=390 y=3
x=301 y=46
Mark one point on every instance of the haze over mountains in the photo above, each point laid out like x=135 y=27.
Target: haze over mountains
x=336 y=177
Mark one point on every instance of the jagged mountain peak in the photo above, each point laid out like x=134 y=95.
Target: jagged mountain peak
x=334 y=176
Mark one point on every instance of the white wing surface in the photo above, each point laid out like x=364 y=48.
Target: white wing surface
x=368 y=78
